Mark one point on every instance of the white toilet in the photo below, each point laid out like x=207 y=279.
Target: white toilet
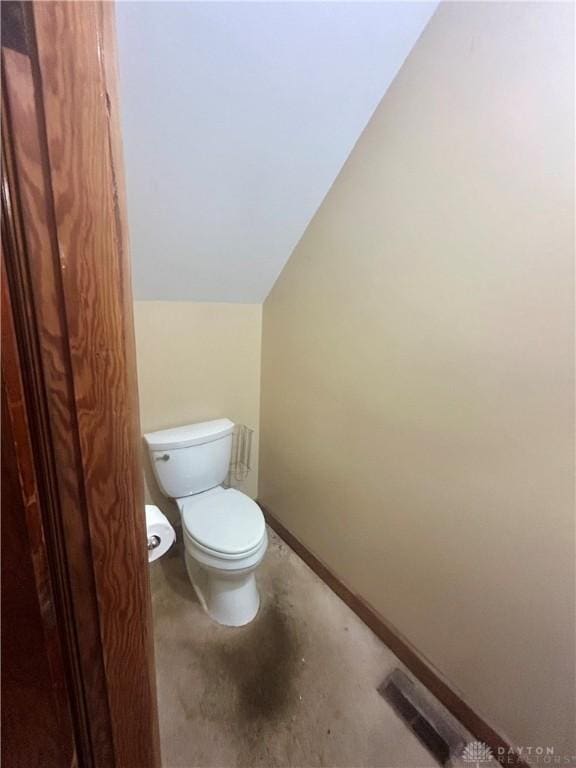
x=224 y=531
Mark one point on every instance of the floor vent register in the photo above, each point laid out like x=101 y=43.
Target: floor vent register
x=425 y=717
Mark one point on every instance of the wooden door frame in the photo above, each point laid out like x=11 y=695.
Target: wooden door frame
x=67 y=275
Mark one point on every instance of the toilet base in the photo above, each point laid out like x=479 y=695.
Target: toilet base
x=230 y=598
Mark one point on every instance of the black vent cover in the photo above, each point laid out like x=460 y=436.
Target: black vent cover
x=424 y=719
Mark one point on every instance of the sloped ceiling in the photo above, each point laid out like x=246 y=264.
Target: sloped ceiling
x=237 y=118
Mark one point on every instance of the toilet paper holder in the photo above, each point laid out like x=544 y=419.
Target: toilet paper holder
x=153 y=542
x=160 y=534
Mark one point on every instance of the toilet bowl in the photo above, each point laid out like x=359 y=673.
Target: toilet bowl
x=224 y=542
x=224 y=531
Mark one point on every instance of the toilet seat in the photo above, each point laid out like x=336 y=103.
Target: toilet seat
x=221 y=563
x=223 y=523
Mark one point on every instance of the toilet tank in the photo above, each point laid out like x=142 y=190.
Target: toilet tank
x=191 y=459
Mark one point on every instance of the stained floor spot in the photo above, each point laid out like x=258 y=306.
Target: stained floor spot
x=261 y=661
x=296 y=687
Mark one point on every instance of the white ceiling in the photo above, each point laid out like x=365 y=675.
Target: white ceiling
x=237 y=118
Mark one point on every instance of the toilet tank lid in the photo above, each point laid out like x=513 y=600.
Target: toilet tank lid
x=190 y=434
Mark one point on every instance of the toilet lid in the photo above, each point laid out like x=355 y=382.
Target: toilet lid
x=228 y=522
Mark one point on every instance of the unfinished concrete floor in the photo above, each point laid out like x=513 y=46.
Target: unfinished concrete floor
x=297 y=687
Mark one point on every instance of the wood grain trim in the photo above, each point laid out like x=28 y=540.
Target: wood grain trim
x=400 y=647
x=78 y=99
x=55 y=736
x=40 y=327
x=69 y=275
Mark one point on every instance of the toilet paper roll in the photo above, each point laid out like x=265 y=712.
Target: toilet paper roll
x=160 y=533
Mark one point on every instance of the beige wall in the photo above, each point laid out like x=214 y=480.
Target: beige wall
x=417 y=373
x=196 y=362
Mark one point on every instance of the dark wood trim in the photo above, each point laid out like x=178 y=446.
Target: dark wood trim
x=68 y=280
x=28 y=246
x=399 y=646
x=38 y=719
